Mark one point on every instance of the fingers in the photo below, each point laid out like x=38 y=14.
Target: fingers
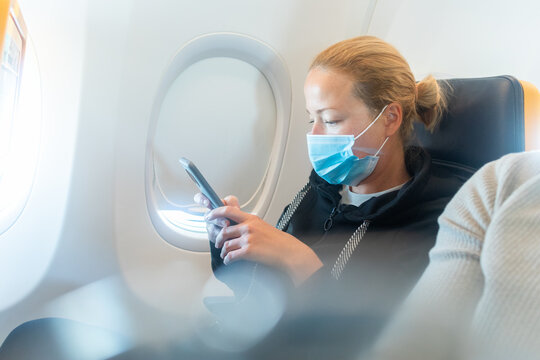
x=229 y=212
x=230 y=245
x=231 y=200
x=227 y=233
x=213 y=231
x=219 y=222
x=235 y=255
x=214 y=226
x=234 y=250
x=202 y=200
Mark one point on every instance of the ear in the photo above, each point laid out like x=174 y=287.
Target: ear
x=392 y=118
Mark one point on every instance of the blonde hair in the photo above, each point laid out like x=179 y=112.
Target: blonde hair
x=381 y=76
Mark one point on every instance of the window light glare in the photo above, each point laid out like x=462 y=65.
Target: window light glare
x=190 y=219
x=21 y=153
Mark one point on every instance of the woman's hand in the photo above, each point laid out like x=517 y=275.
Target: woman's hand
x=255 y=240
x=214 y=227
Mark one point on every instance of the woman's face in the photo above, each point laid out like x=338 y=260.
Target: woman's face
x=334 y=110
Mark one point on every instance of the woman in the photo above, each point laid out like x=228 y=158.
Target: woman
x=367 y=218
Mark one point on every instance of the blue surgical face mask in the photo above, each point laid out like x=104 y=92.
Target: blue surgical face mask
x=333 y=159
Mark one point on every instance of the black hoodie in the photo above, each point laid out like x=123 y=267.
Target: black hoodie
x=402 y=229
x=393 y=253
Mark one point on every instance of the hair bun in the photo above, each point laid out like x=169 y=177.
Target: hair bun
x=430 y=101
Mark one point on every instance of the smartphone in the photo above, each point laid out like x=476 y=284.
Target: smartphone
x=201 y=182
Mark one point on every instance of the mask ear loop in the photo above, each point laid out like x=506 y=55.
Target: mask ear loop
x=378 y=151
x=373 y=122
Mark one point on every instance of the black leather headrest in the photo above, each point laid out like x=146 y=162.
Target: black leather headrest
x=483 y=122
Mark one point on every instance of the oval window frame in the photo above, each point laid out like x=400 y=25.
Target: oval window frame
x=272 y=66
x=10 y=214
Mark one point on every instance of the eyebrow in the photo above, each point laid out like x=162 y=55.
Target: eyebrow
x=323 y=109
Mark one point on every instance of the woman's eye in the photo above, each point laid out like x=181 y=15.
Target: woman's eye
x=331 y=122
x=326 y=122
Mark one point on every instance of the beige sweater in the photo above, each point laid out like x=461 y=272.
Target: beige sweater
x=479 y=298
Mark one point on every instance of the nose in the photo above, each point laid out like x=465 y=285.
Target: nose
x=317 y=128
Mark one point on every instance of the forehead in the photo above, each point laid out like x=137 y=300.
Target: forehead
x=329 y=88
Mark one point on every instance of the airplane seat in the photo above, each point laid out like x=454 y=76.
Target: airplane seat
x=486 y=118
x=58 y=338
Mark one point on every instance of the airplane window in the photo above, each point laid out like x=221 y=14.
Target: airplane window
x=215 y=113
x=228 y=113
x=10 y=73
x=20 y=119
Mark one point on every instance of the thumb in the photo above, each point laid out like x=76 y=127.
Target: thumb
x=231 y=200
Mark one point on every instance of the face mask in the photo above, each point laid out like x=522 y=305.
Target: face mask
x=333 y=160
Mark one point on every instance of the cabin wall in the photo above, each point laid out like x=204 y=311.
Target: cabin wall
x=463 y=38
x=101 y=65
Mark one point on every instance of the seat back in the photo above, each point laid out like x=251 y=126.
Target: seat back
x=486 y=118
